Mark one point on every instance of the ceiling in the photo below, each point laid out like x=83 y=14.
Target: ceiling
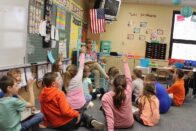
x=161 y=2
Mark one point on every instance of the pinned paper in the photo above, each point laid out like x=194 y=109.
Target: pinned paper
x=56 y=34
x=42 y=28
x=49 y=68
x=53 y=44
x=180 y=18
x=52 y=31
x=40 y=73
x=28 y=73
x=50 y=57
x=23 y=78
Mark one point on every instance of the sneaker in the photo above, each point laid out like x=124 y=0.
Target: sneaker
x=90 y=105
x=97 y=125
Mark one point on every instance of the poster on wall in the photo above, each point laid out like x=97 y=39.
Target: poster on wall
x=35 y=16
x=160 y=31
x=60 y=23
x=148 y=31
x=136 y=30
x=142 y=37
x=143 y=24
x=74 y=36
x=130 y=36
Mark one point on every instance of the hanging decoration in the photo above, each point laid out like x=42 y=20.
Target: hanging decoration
x=186 y=11
x=176 y=2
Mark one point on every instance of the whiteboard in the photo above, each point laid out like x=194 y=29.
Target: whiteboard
x=184 y=51
x=13 y=32
x=184 y=29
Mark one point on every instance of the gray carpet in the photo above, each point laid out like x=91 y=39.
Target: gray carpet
x=176 y=119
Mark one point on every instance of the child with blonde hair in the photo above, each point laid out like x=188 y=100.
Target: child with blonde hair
x=148 y=106
x=137 y=84
x=73 y=84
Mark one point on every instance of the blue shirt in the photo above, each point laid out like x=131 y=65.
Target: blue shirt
x=164 y=100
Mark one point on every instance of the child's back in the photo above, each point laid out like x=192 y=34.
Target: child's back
x=74 y=85
x=121 y=116
x=55 y=107
x=150 y=110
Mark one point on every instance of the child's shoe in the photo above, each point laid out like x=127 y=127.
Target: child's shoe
x=97 y=125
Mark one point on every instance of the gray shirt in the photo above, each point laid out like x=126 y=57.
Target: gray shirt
x=137 y=86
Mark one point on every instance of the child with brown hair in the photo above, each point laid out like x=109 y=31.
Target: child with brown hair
x=58 y=113
x=11 y=107
x=148 y=106
x=112 y=72
x=177 y=90
x=137 y=84
x=58 y=68
x=116 y=104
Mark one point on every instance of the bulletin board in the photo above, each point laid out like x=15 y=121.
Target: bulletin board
x=35 y=51
x=38 y=54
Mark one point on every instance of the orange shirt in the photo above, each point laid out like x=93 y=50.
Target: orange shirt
x=178 y=91
x=55 y=107
x=149 y=110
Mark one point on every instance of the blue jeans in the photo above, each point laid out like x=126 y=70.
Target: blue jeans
x=31 y=122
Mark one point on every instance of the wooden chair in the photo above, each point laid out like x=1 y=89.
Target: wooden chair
x=162 y=75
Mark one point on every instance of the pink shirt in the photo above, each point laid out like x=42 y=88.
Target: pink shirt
x=149 y=117
x=75 y=93
x=122 y=118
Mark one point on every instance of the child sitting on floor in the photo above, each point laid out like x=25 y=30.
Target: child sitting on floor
x=116 y=104
x=11 y=107
x=57 y=111
x=73 y=84
x=148 y=106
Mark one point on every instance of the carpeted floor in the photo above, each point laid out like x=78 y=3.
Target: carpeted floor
x=177 y=119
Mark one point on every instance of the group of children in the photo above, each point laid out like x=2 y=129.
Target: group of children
x=65 y=97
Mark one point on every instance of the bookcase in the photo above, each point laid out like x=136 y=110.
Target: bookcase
x=155 y=50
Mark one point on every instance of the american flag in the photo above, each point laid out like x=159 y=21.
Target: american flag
x=97 y=18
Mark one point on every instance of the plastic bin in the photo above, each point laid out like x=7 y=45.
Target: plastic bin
x=144 y=62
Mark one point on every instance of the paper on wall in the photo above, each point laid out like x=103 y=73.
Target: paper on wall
x=49 y=68
x=42 y=28
x=52 y=31
x=40 y=72
x=23 y=78
x=56 y=34
x=28 y=74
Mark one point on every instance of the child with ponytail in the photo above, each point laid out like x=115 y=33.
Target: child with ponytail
x=148 y=114
x=117 y=104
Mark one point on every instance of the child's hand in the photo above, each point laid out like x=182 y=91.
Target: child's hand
x=125 y=58
x=78 y=119
x=30 y=83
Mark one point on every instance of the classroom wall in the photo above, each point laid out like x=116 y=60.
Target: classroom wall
x=130 y=16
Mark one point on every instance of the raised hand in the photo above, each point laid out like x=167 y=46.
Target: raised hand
x=125 y=58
